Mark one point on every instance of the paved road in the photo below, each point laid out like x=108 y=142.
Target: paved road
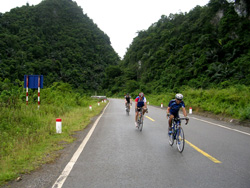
x=117 y=155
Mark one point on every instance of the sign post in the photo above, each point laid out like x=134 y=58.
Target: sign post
x=33 y=82
x=27 y=89
x=38 y=92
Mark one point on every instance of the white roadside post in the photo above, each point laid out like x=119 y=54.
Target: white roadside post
x=58 y=125
x=90 y=107
x=161 y=105
x=190 y=110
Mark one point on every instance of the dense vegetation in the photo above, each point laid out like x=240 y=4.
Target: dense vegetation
x=28 y=135
x=208 y=47
x=57 y=40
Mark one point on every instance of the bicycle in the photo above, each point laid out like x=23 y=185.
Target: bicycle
x=140 y=119
x=127 y=108
x=177 y=134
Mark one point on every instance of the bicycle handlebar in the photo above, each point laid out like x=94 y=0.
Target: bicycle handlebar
x=181 y=118
x=187 y=119
x=140 y=109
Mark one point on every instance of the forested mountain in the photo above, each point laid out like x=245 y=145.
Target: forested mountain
x=206 y=47
x=57 y=40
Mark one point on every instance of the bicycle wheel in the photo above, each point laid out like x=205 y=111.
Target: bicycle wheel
x=127 y=109
x=138 y=121
x=141 y=124
x=180 y=139
x=171 y=138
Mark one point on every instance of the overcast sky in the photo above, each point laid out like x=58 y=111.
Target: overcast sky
x=121 y=19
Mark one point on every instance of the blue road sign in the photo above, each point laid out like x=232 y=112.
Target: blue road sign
x=33 y=81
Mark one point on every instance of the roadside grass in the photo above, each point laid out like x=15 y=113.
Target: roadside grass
x=230 y=102
x=29 y=138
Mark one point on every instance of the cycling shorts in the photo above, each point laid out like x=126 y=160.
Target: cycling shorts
x=138 y=109
x=176 y=115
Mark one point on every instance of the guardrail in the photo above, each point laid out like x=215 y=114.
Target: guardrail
x=99 y=97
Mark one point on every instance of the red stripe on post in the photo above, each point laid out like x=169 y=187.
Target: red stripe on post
x=38 y=81
x=58 y=120
x=27 y=88
x=38 y=89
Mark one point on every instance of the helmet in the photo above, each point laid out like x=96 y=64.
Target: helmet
x=141 y=94
x=179 y=96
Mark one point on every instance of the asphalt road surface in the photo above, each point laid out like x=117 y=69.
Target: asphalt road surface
x=115 y=154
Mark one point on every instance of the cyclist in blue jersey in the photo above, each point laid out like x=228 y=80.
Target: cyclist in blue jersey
x=140 y=102
x=173 y=109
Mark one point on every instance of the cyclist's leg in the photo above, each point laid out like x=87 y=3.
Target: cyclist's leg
x=143 y=110
x=141 y=119
x=136 y=116
x=179 y=121
x=171 y=117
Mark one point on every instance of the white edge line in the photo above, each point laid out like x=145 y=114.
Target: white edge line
x=61 y=179
x=222 y=126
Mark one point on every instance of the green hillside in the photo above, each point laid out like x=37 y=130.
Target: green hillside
x=57 y=40
x=208 y=47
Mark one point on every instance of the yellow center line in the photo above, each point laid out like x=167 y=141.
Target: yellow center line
x=150 y=118
x=203 y=153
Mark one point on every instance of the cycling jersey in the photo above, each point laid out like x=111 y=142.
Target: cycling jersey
x=174 y=107
x=140 y=103
x=127 y=98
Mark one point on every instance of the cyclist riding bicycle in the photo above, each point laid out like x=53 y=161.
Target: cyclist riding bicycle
x=173 y=109
x=140 y=102
x=128 y=101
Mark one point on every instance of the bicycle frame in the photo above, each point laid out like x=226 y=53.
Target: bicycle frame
x=128 y=105
x=177 y=134
x=127 y=108
x=140 y=119
x=175 y=128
